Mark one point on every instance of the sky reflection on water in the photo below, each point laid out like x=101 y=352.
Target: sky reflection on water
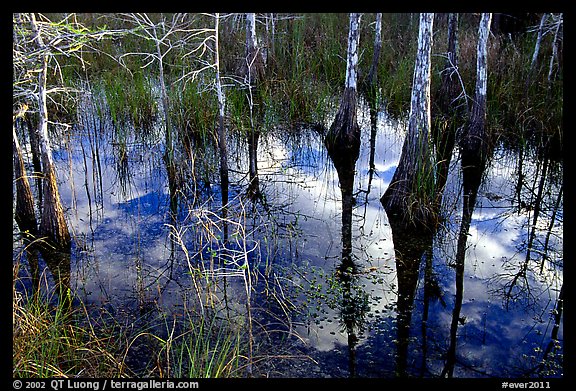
x=125 y=260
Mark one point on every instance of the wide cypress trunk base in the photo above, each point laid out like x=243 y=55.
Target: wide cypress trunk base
x=343 y=139
x=53 y=223
x=407 y=211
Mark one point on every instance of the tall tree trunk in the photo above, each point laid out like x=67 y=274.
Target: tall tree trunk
x=554 y=55
x=253 y=66
x=411 y=190
x=53 y=224
x=475 y=144
x=253 y=74
x=448 y=118
x=534 y=60
x=343 y=138
x=224 y=180
x=373 y=74
x=35 y=149
x=24 y=214
x=169 y=137
x=474 y=151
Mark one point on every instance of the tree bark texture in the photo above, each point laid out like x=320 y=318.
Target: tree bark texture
x=373 y=74
x=253 y=66
x=343 y=138
x=537 y=45
x=24 y=214
x=35 y=148
x=554 y=55
x=411 y=188
x=352 y=54
x=53 y=224
x=475 y=143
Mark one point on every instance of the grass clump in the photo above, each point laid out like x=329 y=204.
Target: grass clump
x=48 y=340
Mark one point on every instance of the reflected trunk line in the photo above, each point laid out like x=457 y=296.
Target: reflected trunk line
x=537 y=207
x=373 y=133
x=254 y=183
x=553 y=345
x=431 y=291
x=410 y=245
x=122 y=167
x=550 y=227
x=371 y=163
x=475 y=149
x=557 y=318
x=521 y=176
x=344 y=158
x=96 y=169
x=472 y=175
x=87 y=188
x=58 y=262
x=450 y=114
x=522 y=273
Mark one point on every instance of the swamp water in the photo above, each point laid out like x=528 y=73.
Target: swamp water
x=277 y=280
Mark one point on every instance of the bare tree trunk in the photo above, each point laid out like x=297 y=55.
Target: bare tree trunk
x=475 y=144
x=554 y=55
x=411 y=190
x=254 y=63
x=24 y=214
x=474 y=150
x=343 y=138
x=53 y=224
x=224 y=180
x=35 y=149
x=536 y=49
x=448 y=118
x=373 y=74
x=169 y=151
x=253 y=68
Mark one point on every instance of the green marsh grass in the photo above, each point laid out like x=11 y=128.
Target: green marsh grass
x=48 y=340
x=130 y=99
x=206 y=347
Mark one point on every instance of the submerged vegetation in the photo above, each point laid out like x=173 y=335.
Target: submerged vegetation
x=147 y=82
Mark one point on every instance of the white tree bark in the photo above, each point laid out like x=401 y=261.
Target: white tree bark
x=538 y=41
x=554 y=46
x=412 y=188
x=251 y=38
x=479 y=106
x=352 y=56
x=373 y=74
x=419 y=118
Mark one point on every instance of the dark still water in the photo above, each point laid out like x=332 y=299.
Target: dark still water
x=279 y=279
